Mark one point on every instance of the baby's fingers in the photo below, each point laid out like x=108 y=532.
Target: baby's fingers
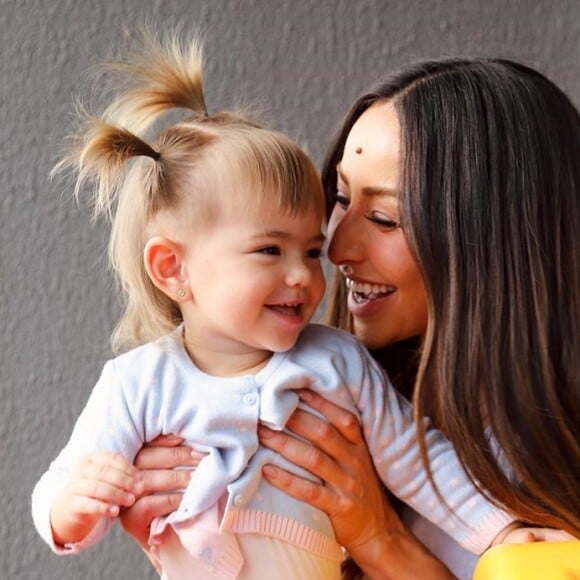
x=82 y=505
x=111 y=469
x=99 y=491
x=107 y=459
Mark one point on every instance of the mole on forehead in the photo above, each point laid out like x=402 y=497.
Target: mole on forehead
x=358 y=150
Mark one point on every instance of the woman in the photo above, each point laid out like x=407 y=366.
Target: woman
x=454 y=204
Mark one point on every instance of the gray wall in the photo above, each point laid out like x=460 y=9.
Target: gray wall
x=301 y=61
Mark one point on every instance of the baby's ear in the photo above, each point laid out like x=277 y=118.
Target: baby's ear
x=163 y=262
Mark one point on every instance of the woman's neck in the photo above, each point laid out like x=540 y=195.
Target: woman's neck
x=400 y=360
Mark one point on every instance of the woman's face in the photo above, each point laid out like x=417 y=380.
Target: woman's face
x=387 y=296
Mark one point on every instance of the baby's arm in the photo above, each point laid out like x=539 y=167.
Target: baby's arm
x=61 y=498
x=98 y=486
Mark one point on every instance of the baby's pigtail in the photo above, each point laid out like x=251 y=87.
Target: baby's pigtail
x=135 y=177
x=161 y=76
x=101 y=157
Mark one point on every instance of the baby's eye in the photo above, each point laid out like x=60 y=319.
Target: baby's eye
x=383 y=221
x=315 y=253
x=341 y=199
x=269 y=250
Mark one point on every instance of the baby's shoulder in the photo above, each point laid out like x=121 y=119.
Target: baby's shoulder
x=150 y=358
x=338 y=348
x=328 y=338
x=335 y=355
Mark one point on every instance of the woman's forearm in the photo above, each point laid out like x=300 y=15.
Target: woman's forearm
x=398 y=555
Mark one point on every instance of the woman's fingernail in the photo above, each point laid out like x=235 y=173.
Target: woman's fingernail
x=172 y=438
x=269 y=471
x=305 y=395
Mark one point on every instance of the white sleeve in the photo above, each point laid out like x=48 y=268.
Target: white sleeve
x=105 y=424
x=390 y=432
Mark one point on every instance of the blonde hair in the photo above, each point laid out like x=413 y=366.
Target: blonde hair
x=196 y=161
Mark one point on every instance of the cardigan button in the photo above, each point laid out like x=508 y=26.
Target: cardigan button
x=238 y=500
x=250 y=399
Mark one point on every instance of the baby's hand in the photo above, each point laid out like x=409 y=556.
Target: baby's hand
x=98 y=486
x=517 y=533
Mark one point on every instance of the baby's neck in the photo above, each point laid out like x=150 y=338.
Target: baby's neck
x=222 y=362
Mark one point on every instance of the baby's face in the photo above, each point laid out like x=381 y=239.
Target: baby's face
x=256 y=278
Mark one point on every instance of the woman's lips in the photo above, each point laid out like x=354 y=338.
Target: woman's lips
x=366 y=299
x=366 y=292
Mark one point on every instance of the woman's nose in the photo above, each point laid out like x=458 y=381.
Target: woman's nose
x=345 y=240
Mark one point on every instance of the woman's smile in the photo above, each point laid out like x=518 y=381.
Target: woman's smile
x=364 y=292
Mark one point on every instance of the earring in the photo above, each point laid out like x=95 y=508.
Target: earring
x=181 y=292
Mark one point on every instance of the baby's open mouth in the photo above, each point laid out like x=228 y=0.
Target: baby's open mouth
x=287 y=309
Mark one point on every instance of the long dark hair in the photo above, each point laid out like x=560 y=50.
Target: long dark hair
x=490 y=199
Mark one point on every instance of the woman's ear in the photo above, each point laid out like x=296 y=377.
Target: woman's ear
x=163 y=262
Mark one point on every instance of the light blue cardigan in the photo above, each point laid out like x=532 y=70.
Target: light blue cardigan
x=157 y=389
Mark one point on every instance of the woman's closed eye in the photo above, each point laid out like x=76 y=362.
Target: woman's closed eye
x=384 y=221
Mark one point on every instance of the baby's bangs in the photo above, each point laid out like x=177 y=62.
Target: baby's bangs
x=279 y=172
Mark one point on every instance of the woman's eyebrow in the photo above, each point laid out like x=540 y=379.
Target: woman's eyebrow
x=370 y=190
x=373 y=191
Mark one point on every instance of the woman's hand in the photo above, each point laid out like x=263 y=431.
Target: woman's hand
x=518 y=533
x=350 y=493
x=161 y=484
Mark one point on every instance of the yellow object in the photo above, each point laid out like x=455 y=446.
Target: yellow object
x=534 y=561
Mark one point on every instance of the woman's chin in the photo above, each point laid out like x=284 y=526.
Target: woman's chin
x=371 y=336
x=376 y=334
